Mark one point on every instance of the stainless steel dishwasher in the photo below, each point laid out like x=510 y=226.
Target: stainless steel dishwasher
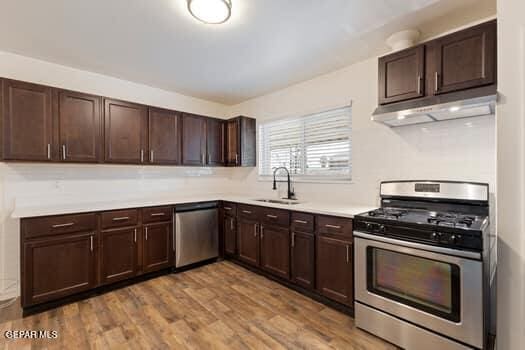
x=196 y=233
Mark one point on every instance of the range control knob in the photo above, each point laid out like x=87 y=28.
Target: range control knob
x=454 y=239
x=436 y=236
x=382 y=229
x=369 y=226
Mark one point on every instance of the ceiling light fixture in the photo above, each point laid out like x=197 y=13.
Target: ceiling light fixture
x=210 y=11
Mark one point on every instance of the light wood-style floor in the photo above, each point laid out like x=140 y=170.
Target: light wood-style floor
x=218 y=306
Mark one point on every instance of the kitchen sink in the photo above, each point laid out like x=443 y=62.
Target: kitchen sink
x=279 y=201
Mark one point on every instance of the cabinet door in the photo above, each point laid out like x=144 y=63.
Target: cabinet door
x=118 y=254
x=79 y=123
x=233 y=142
x=57 y=267
x=27 y=121
x=248 y=156
x=401 y=75
x=126 y=132
x=248 y=241
x=215 y=142
x=334 y=269
x=230 y=235
x=157 y=247
x=275 y=250
x=303 y=259
x=193 y=139
x=465 y=59
x=164 y=139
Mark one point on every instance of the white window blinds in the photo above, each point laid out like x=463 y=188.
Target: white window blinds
x=316 y=146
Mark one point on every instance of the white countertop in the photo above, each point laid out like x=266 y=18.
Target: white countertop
x=335 y=209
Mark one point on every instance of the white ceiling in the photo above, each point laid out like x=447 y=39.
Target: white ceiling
x=266 y=45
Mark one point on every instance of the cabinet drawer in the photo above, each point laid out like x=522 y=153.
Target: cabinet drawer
x=279 y=217
x=119 y=218
x=302 y=222
x=248 y=211
x=157 y=214
x=334 y=225
x=56 y=225
x=229 y=208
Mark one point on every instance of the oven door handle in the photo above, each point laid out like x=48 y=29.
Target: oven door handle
x=426 y=247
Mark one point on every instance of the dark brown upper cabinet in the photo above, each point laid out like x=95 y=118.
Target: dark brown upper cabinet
x=126 y=132
x=27 y=118
x=79 y=127
x=464 y=60
x=164 y=137
x=214 y=142
x=240 y=142
x=451 y=64
x=193 y=140
x=401 y=75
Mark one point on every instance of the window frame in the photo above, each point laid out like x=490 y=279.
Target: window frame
x=337 y=179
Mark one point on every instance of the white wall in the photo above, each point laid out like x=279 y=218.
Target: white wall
x=511 y=175
x=452 y=150
x=33 y=184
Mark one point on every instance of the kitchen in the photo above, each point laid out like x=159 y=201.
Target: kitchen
x=145 y=182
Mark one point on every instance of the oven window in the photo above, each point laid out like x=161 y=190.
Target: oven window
x=429 y=285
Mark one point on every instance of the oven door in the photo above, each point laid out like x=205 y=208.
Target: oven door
x=422 y=284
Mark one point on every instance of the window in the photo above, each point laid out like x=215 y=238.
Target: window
x=312 y=147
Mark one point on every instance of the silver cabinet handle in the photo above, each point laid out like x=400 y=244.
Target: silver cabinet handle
x=209 y=159
x=262 y=231
x=48 y=151
x=271 y=216
x=347 y=253
x=151 y=156
x=64 y=153
x=158 y=214
x=231 y=224
x=135 y=235
x=236 y=158
x=293 y=239
x=246 y=212
x=255 y=226
x=419 y=84
x=227 y=208
x=121 y=218
x=436 y=81
x=63 y=225
x=91 y=242
x=146 y=232
x=142 y=156
x=332 y=226
x=301 y=221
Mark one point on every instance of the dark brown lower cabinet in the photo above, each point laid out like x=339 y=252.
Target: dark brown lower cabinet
x=157 y=247
x=303 y=259
x=58 y=266
x=248 y=241
x=230 y=235
x=334 y=271
x=275 y=250
x=118 y=254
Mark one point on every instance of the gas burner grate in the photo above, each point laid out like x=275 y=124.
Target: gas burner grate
x=388 y=213
x=451 y=219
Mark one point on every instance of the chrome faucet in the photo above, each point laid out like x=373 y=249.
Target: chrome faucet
x=291 y=194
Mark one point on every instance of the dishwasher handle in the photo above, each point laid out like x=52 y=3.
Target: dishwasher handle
x=195 y=206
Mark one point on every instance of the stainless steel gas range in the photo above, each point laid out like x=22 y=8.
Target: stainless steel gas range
x=422 y=269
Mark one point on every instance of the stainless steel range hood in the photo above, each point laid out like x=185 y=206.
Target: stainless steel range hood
x=436 y=109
